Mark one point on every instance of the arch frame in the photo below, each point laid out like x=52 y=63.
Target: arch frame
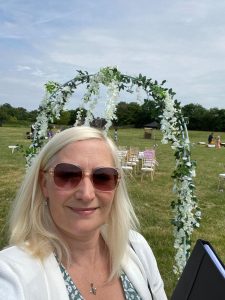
x=186 y=213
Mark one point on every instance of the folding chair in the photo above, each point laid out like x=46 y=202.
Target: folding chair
x=147 y=168
x=132 y=159
x=127 y=169
x=149 y=163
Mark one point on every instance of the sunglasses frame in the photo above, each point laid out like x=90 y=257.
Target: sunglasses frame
x=84 y=173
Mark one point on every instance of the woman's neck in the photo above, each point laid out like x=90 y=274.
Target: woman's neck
x=87 y=250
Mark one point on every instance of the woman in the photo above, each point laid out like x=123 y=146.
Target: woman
x=218 y=142
x=72 y=228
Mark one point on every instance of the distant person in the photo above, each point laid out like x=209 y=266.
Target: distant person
x=116 y=135
x=218 y=142
x=32 y=129
x=210 y=138
x=50 y=133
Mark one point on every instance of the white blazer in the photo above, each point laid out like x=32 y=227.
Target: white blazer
x=23 y=277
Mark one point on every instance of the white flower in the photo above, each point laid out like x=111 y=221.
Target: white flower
x=111 y=102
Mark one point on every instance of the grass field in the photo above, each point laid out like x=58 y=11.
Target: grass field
x=151 y=199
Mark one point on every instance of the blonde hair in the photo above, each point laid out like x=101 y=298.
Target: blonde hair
x=31 y=224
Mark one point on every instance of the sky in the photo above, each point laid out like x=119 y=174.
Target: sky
x=181 y=41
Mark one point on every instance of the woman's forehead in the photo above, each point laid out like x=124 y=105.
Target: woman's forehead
x=86 y=151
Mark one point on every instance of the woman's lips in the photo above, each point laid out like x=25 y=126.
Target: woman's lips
x=84 y=211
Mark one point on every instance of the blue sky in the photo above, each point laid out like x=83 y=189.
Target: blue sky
x=180 y=41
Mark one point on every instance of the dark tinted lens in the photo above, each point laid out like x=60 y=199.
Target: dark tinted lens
x=105 y=179
x=67 y=175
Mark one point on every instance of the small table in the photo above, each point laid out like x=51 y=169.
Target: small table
x=13 y=147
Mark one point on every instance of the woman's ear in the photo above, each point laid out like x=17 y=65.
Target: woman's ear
x=43 y=183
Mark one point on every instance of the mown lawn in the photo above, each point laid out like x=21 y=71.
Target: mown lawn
x=151 y=199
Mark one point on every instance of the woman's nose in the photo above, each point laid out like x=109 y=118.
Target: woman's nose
x=86 y=190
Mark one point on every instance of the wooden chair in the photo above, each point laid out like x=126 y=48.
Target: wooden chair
x=127 y=169
x=132 y=158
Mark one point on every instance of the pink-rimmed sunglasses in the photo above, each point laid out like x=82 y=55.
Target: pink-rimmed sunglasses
x=68 y=176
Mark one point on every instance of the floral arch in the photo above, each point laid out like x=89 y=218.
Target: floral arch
x=186 y=214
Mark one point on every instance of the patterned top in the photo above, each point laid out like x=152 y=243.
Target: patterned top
x=74 y=294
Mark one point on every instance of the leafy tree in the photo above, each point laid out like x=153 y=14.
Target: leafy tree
x=132 y=112
x=127 y=113
x=147 y=114
x=221 y=120
x=73 y=115
x=21 y=113
x=216 y=119
x=3 y=116
x=121 y=112
x=33 y=115
x=195 y=114
x=7 y=110
x=12 y=114
x=64 y=118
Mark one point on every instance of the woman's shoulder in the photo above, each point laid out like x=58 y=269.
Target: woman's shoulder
x=15 y=253
x=144 y=257
x=136 y=238
x=18 y=260
x=11 y=252
x=24 y=274
x=141 y=247
x=21 y=255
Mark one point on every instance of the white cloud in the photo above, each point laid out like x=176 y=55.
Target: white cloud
x=38 y=73
x=23 y=68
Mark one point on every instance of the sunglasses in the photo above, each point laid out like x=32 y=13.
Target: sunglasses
x=68 y=176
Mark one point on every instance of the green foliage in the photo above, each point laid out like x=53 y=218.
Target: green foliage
x=109 y=73
x=9 y=114
x=51 y=86
x=64 y=118
x=199 y=118
x=195 y=113
x=73 y=115
x=149 y=112
x=127 y=113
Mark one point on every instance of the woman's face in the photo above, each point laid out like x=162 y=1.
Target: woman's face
x=81 y=211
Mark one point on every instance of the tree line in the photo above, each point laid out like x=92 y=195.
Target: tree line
x=128 y=114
